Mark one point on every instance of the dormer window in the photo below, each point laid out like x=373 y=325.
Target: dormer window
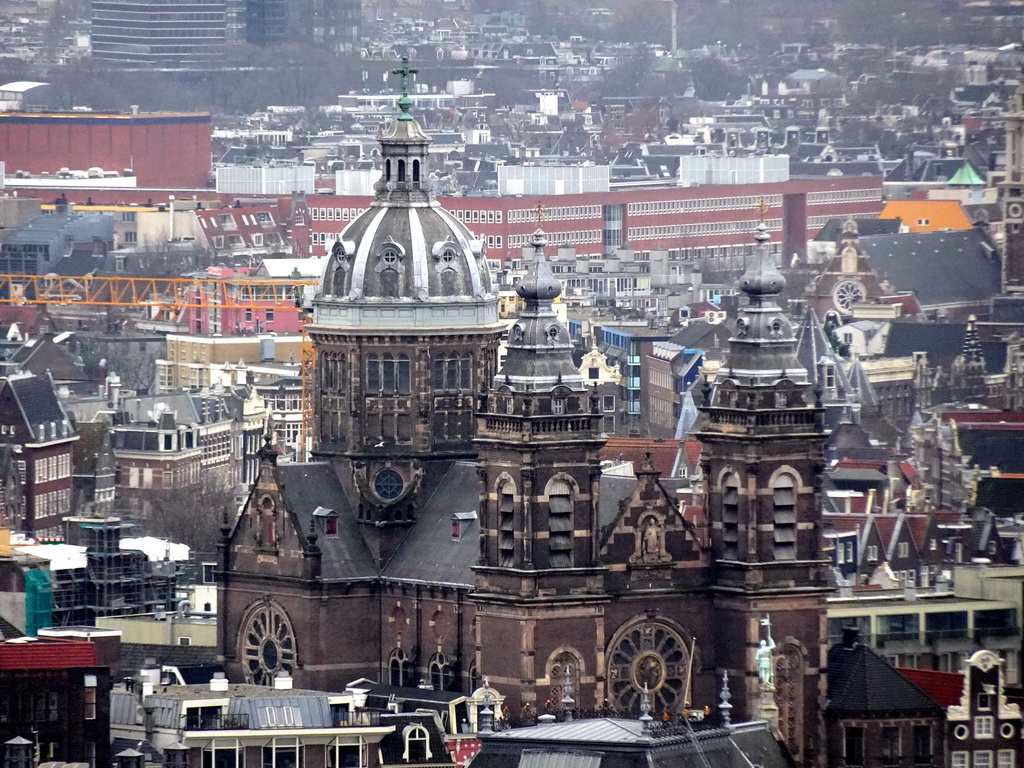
x=828 y=375
x=417 y=744
x=558 y=405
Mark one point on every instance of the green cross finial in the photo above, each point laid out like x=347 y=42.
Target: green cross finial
x=404 y=102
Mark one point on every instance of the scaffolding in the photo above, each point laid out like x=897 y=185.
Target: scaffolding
x=115 y=582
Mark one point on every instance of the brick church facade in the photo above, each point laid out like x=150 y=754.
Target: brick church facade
x=455 y=522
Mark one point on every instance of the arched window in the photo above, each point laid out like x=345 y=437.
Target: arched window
x=506 y=525
x=441 y=675
x=416 y=171
x=560 y=524
x=387 y=170
x=417 y=744
x=784 y=517
x=401 y=170
x=390 y=374
x=400 y=671
x=452 y=372
x=565 y=667
x=730 y=517
x=372 y=373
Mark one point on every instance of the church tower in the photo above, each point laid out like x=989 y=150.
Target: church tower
x=1012 y=190
x=763 y=437
x=538 y=583
x=406 y=330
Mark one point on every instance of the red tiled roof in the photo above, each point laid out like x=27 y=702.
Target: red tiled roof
x=692 y=448
x=991 y=419
x=905 y=300
x=944 y=688
x=909 y=471
x=663 y=452
x=46 y=653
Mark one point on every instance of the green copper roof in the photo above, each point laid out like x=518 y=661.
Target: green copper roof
x=966 y=176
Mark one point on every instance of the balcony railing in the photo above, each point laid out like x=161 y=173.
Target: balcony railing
x=363 y=718
x=219 y=722
x=997 y=631
x=895 y=637
x=946 y=634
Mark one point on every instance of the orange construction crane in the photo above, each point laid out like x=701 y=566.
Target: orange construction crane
x=178 y=292
x=169 y=296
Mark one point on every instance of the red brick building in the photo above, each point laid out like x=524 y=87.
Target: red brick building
x=693 y=223
x=34 y=421
x=54 y=693
x=163 y=150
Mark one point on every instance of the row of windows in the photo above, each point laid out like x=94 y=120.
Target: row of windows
x=53 y=468
x=701 y=204
x=53 y=503
x=335 y=214
x=983 y=759
x=701 y=228
x=558 y=213
x=891 y=748
x=478 y=216
x=844 y=196
x=558 y=238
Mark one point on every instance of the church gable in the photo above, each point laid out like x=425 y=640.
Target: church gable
x=649 y=538
x=266 y=532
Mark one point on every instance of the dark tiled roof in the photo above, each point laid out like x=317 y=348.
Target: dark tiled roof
x=134 y=655
x=1008 y=309
x=38 y=401
x=861 y=681
x=308 y=486
x=392 y=746
x=833 y=229
x=429 y=553
x=1003 y=448
x=939 y=267
x=8 y=631
x=1003 y=495
x=942 y=342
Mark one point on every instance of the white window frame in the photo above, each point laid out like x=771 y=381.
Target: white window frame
x=984 y=728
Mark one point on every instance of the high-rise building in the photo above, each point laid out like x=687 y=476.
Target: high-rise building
x=165 y=33
x=332 y=24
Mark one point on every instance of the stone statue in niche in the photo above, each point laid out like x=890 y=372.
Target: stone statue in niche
x=650 y=540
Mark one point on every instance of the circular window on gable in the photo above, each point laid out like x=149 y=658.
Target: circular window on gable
x=388 y=484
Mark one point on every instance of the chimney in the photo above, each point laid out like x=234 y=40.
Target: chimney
x=282 y=681
x=219 y=682
x=851 y=637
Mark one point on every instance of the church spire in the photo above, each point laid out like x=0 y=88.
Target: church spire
x=763 y=348
x=539 y=350
x=403 y=147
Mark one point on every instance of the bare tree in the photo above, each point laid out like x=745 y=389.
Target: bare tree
x=190 y=515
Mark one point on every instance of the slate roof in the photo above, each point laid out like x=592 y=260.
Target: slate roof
x=1007 y=309
x=942 y=342
x=613 y=489
x=993 y=447
x=861 y=384
x=429 y=553
x=939 y=267
x=1003 y=495
x=134 y=655
x=39 y=404
x=306 y=486
x=620 y=743
x=812 y=345
x=833 y=229
x=859 y=680
x=392 y=746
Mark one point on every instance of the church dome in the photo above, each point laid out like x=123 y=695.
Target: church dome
x=406 y=262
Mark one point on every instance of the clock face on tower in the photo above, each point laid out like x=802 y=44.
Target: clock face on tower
x=267 y=644
x=651 y=654
x=846 y=293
